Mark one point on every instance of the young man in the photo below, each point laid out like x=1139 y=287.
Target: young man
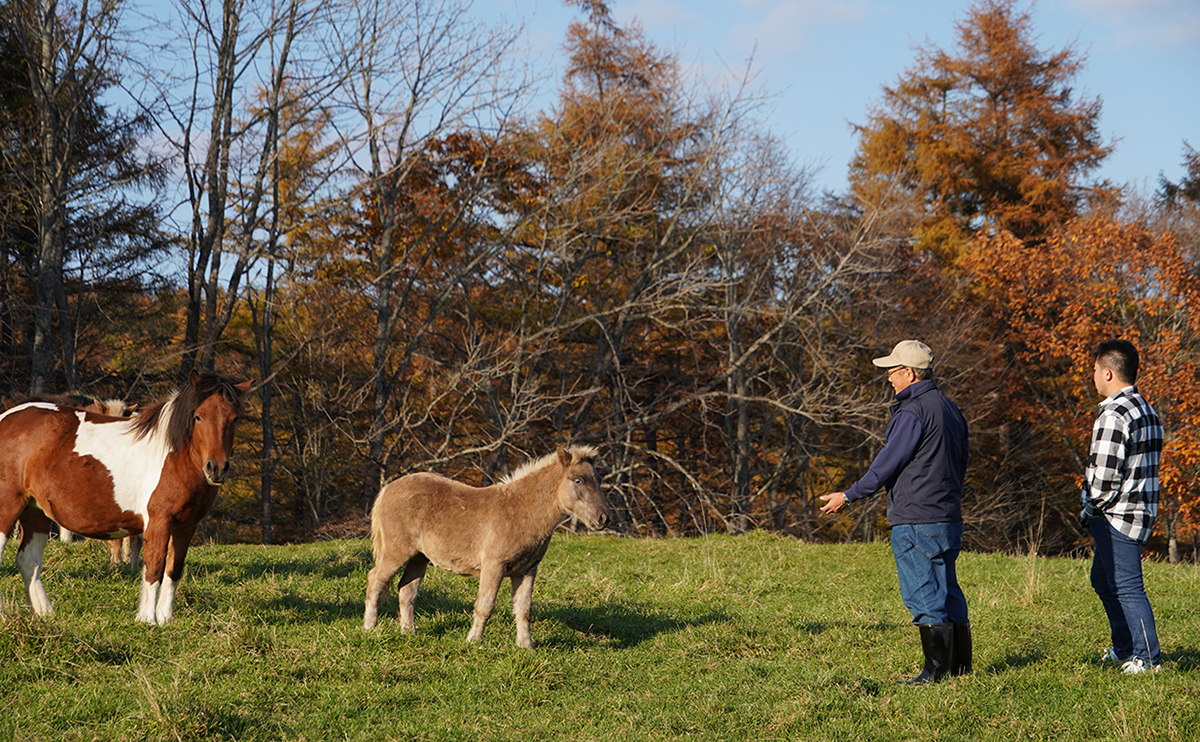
x=922 y=464
x=1120 y=502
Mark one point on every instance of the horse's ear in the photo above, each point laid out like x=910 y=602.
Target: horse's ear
x=564 y=458
x=243 y=387
x=194 y=377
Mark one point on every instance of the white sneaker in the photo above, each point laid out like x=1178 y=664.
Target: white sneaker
x=1111 y=656
x=1137 y=666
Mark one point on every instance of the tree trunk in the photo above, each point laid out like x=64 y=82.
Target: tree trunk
x=265 y=342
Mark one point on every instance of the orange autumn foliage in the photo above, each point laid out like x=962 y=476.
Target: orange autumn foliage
x=1052 y=303
x=988 y=135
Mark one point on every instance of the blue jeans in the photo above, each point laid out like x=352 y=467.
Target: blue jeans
x=925 y=556
x=1117 y=579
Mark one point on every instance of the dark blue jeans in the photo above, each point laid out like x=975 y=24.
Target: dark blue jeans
x=925 y=556
x=1117 y=579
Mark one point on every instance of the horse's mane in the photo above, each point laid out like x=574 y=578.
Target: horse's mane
x=177 y=412
x=577 y=453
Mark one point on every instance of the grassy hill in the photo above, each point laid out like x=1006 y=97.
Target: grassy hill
x=721 y=638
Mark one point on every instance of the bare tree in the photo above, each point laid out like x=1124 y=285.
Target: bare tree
x=219 y=84
x=415 y=73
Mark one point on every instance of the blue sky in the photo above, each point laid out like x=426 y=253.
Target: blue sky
x=825 y=63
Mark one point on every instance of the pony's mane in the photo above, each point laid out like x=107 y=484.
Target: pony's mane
x=577 y=453
x=111 y=407
x=173 y=417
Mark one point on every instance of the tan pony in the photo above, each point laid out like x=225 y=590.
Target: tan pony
x=487 y=532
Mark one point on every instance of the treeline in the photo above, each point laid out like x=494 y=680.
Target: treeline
x=359 y=207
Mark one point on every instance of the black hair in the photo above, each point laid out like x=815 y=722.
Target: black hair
x=1120 y=356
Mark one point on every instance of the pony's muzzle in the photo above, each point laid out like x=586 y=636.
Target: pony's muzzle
x=599 y=521
x=215 y=473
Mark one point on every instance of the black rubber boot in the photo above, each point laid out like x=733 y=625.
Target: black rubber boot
x=960 y=660
x=937 y=643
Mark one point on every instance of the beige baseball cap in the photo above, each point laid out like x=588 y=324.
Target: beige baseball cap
x=911 y=353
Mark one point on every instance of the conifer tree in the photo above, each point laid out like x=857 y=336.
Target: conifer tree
x=989 y=136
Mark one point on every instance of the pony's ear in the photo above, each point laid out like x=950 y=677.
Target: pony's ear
x=243 y=387
x=194 y=377
x=564 y=458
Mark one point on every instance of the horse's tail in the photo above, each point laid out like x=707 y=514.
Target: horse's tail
x=377 y=527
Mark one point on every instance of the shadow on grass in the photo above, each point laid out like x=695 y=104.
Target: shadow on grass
x=432 y=604
x=1182 y=658
x=207 y=721
x=439 y=614
x=333 y=565
x=329 y=566
x=815 y=628
x=1015 y=661
x=622 y=626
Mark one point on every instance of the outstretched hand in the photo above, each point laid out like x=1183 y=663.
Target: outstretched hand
x=834 y=502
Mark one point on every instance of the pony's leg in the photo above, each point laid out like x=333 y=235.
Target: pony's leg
x=114 y=552
x=148 y=598
x=133 y=544
x=489 y=584
x=378 y=578
x=410 y=585
x=35 y=532
x=522 y=600
x=176 y=553
x=154 y=565
x=8 y=523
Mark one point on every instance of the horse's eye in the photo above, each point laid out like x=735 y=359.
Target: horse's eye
x=578 y=480
x=197 y=418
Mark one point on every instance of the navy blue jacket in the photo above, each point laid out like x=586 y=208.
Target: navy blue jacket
x=923 y=461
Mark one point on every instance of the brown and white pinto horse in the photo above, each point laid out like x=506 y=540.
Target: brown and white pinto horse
x=107 y=477
x=127 y=550
x=121 y=551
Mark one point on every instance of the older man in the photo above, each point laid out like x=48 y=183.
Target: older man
x=922 y=465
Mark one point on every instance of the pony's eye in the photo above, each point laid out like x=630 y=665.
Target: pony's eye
x=197 y=418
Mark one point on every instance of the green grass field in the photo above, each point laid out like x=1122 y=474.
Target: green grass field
x=721 y=638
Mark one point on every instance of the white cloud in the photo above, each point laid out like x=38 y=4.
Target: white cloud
x=659 y=13
x=1151 y=23
x=785 y=27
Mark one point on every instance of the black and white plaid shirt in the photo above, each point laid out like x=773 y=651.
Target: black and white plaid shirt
x=1121 y=481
